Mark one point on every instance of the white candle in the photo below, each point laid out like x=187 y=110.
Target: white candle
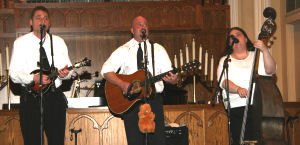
x=206 y=61
x=1 y=73
x=212 y=68
x=175 y=61
x=193 y=48
x=181 y=58
x=200 y=56
x=7 y=57
x=187 y=53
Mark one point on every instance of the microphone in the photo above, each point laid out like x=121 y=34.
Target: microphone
x=42 y=26
x=234 y=40
x=143 y=34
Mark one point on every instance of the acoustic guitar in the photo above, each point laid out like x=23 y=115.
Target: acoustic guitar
x=119 y=103
x=52 y=74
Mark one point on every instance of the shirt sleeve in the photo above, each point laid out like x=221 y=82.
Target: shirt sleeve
x=114 y=62
x=64 y=57
x=162 y=59
x=162 y=64
x=261 y=66
x=17 y=72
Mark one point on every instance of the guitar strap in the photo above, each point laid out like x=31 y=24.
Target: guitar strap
x=153 y=66
x=152 y=53
x=52 y=65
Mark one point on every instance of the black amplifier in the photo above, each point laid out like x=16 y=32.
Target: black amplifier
x=177 y=135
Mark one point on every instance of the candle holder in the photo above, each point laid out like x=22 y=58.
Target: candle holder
x=8 y=89
x=211 y=83
x=3 y=82
x=205 y=78
x=2 y=78
x=194 y=74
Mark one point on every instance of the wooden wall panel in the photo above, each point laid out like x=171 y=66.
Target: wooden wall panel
x=118 y=16
x=97 y=128
x=94 y=30
x=207 y=125
x=292 y=113
x=100 y=128
x=10 y=132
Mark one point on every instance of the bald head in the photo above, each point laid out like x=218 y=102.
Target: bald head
x=137 y=25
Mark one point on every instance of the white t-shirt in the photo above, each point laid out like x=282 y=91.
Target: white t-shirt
x=26 y=54
x=125 y=57
x=239 y=72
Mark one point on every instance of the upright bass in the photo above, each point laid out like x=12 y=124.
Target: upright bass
x=267 y=106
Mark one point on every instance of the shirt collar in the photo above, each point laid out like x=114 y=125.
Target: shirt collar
x=38 y=39
x=133 y=43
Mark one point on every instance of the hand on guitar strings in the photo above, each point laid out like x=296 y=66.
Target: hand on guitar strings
x=170 y=78
x=131 y=90
x=63 y=72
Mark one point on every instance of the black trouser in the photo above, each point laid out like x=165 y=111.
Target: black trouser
x=236 y=124
x=134 y=136
x=54 y=117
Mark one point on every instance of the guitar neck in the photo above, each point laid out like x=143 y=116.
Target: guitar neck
x=160 y=76
x=248 y=100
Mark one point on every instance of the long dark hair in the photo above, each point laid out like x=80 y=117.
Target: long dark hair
x=42 y=8
x=228 y=49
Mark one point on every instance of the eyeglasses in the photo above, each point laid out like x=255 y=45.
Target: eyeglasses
x=40 y=18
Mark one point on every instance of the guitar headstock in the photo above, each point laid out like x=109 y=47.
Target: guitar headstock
x=84 y=62
x=191 y=66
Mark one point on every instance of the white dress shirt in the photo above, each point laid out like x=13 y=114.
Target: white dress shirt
x=239 y=72
x=125 y=57
x=26 y=55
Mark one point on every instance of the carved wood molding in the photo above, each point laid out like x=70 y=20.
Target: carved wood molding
x=211 y=119
x=95 y=125
x=108 y=17
x=3 y=22
x=190 y=118
x=190 y=115
x=6 y=21
x=4 y=124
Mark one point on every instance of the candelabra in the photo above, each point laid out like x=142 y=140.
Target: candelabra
x=197 y=75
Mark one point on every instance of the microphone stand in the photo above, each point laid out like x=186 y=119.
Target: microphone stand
x=41 y=86
x=225 y=64
x=225 y=72
x=146 y=71
x=145 y=66
x=225 y=68
x=218 y=89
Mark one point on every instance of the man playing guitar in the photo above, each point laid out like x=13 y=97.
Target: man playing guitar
x=126 y=58
x=25 y=59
